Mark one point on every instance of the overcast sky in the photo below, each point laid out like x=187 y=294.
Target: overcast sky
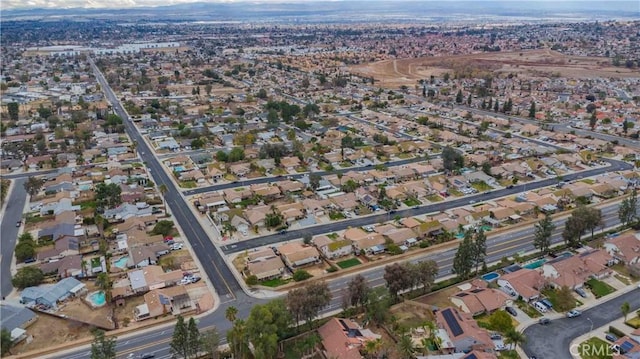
x=114 y=4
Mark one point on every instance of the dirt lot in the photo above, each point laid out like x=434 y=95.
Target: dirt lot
x=48 y=331
x=440 y=298
x=395 y=73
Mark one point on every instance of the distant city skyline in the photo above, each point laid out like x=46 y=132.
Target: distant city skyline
x=122 y=4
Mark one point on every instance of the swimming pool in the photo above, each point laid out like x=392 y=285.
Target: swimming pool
x=534 y=265
x=122 y=262
x=179 y=168
x=490 y=277
x=98 y=299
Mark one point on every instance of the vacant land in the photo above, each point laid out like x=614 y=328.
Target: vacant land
x=399 y=72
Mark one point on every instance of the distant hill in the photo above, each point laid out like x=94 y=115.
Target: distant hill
x=347 y=11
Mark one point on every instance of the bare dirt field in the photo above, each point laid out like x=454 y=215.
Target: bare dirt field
x=48 y=331
x=395 y=73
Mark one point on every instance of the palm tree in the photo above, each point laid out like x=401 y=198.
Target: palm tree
x=373 y=347
x=514 y=338
x=405 y=347
x=426 y=343
x=163 y=189
x=103 y=282
x=231 y=313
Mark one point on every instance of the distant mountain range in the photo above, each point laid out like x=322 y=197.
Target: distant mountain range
x=332 y=11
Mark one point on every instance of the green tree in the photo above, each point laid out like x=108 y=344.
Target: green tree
x=424 y=273
x=514 y=338
x=625 y=308
x=479 y=248
x=104 y=283
x=163 y=191
x=222 y=156
x=103 y=347
x=194 y=340
x=314 y=181
x=14 y=111
x=532 y=110
x=377 y=306
x=564 y=299
x=464 y=258
x=500 y=321
x=266 y=325
x=628 y=210
x=211 y=342
x=231 y=313
x=163 y=227
x=179 y=345
x=405 y=347
x=27 y=277
x=108 y=195
x=33 y=185
x=25 y=250
x=300 y=275
x=5 y=342
x=397 y=279
x=358 y=292
x=262 y=94
x=543 y=231
x=236 y=154
x=238 y=341
x=582 y=219
x=451 y=159
x=459 y=96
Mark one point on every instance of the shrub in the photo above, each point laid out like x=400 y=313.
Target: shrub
x=300 y=275
x=252 y=280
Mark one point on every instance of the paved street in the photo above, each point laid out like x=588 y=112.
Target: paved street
x=9 y=235
x=431 y=208
x=552 y=341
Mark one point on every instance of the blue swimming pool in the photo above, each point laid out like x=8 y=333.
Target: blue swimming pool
x=98 y=298
x=534 y=265
x=122 y=262
x=179 y=168
x=490 y=277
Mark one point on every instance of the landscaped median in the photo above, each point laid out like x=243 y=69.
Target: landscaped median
x=595 y=348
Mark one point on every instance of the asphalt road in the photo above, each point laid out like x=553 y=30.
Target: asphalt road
x=249 y=182
x=9 y=235
x=553 y=341
x=212 y=262
x=431 y=208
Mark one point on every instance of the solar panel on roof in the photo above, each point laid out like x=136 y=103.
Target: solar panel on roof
x=477 y=290
x=452 y=322
x=626 y=346
x=164 y=300
x=461 y=295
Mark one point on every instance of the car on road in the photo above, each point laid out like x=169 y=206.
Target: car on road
x=573 y=313
x=282 y=231
x=18 y=224
x=512 y=311
x=544 y=321
x=147 y=356
x=510 y=186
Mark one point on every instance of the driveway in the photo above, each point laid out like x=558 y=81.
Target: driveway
x=552 y=341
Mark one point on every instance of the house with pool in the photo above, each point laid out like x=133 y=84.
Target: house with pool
x=524 y=282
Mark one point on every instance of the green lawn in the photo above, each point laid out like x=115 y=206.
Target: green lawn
x=404 y=156
x=434 y=198
x=481 y=186
x=599 y=289
x=352 y=262
x=594 y=348
x=529 y=310
x=335 y=215
x=276 y=282
x=410 y=202
x=455 y=192
x=188 y=184
x=633 y=322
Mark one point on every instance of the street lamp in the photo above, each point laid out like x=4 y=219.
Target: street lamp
x=589 y=319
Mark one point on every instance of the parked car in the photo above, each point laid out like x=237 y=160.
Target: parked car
x=544 y=321
x=581 y=292
x=177 y=246
x=610 y=337
x=185 y=281
x=512 y=311
x=496 y=336
x=30 y=260
x=573 y=313
x=195 y=279
x=19 y=223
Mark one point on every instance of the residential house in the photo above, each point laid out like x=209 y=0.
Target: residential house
x=296 y=254
x=16 y=319
x=573 y=271
x=333 y=248
x=265 y=265
x=524 y=283
x=369 y=243
x=480 y=300
x=624 y=248
x=143 y=256
x=174 y=300
x=65 y=246
x=67 y=266
x=462 y=333
x=290 y=163
x=343 y=338
x=50 y=295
